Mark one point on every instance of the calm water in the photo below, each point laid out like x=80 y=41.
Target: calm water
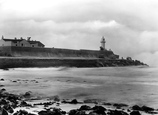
x=130 y=85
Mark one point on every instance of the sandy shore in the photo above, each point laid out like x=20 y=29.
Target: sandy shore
x=65 y=90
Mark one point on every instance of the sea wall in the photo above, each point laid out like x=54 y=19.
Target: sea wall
x=32 y=62
x=14 y=62
x=5 y=51
x=54 y=52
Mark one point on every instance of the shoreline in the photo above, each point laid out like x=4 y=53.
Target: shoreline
x=27 y=105
x=16 y=62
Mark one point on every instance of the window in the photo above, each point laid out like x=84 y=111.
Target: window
x=32 y=45
x=22 y=44
x=16 y=45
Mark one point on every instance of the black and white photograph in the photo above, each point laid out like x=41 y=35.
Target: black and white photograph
x=78 y=57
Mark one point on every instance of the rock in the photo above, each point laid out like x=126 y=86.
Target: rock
x=136 y=107
x=12 y=97
x=8 y=108
x=80 y=113
x=27 y=94
x=2 y=90
x=92 y=113
x=64 y=101
x=43 y=112
x=6 y=69
x=74 y=101
x=4 y=112
x=3 y=102
x=55 y=111
x=99 y=110
x=143 y=108
x=119 y=105
x=21 y=112
x=147 y=109
x=23 y=103
x=73 y=112
x=2 y=79
x=55 y=98
x=135 y=113
x=116 y=112
x=85 y=107
x=48 y=104
x=63 y=112
x=1 y=85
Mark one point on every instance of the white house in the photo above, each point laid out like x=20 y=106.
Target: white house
x=21 y=42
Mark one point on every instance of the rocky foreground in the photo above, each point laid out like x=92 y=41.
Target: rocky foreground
x=12 y=104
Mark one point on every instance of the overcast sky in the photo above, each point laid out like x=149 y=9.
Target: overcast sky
x=130 y=27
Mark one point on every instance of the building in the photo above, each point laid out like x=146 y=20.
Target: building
x=102 y=43
x=21 y=42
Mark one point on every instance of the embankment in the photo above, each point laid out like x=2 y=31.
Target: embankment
x=53 y=52
x=14 y=62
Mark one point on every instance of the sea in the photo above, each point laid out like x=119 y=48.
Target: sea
x=129 y=85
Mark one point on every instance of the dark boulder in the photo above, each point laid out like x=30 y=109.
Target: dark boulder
x=80 y=113
x=116 y=112
x=24 y=104
x=74 y=101
x=55 y=111
x=99 y=109
x=2 y=90
x=3 y=102
x=44 y=113
x=27 y=94
x=119 y=105
x=135 y=113
x=93 y=113
x=8 y=108
x=4 y=112
x=143 y=108
x=73 y=112
x=77 y=112
x=2 y=79
x=136 y=107
x=11 y=97
x=85 y=107
x=147 y=109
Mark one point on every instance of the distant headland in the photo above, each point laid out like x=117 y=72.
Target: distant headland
x=31 y=53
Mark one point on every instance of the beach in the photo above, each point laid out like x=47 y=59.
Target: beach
x=133 y=85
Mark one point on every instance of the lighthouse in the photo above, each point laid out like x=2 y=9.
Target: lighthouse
x=103 y=43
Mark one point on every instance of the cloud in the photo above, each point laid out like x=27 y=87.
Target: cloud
x=149 y=58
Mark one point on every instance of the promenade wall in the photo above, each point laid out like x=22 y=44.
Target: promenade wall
x=54 y=52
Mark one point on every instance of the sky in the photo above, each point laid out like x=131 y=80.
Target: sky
x=130 y=27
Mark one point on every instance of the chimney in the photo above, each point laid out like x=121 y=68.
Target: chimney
x=21 y=38
x=28 y=38
x=2 y=37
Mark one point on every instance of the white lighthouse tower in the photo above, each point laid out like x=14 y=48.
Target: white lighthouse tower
x=103 y=43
